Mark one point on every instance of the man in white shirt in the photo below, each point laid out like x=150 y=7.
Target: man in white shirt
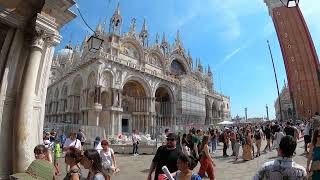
x=72 y=141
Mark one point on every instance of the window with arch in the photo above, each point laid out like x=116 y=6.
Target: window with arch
x=177 y=68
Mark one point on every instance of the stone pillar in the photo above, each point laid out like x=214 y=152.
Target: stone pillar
x=97 y=97
x=147 y=124
x=97 y=118
x=119 y=123
x=120 y=97
x=24 y=128
x=112 y=123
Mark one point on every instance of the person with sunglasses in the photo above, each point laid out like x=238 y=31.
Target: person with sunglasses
x=166 y=155
x=91 y=160
x=108 y=160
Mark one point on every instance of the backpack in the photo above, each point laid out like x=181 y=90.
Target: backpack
x=257 y=135
x=189 y=140
x=221 y=137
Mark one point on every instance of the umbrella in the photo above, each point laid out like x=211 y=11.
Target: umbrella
x=225 y=123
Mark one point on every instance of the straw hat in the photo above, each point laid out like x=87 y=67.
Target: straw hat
x=38 y=169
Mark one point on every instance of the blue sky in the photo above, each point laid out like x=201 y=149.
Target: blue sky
x=229 y=35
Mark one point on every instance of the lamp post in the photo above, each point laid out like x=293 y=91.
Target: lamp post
x=246 y=113
x=267 y=112
x=275 y=76
x=94 y=43
x=290 y=3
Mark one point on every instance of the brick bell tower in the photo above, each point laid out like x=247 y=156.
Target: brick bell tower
x=300 y=57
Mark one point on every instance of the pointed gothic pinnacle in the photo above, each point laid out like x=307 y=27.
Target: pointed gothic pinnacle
x=209 y=70
x=144 y=26
x=157 y=38
x=99 y=27
x=117 y=11
x=189 y=53
x=164 y=39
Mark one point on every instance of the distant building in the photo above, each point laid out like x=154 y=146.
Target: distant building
x=286 y=105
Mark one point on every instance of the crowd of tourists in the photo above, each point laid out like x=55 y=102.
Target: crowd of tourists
x=181 y=153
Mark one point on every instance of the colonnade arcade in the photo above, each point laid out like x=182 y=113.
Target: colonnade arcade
x=214 y=112
x=98 y=103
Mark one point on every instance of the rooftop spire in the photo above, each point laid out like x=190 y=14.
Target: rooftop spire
x=209 y=70
x=157 y=38
x=164 y=39
x=179 y=43
x=116 y=21
x=144 y=26
x=133 y=25
x=99 y=27
x=117 y=11
x=144 y=33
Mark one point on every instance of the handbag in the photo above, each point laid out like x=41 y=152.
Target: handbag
x=315 y=166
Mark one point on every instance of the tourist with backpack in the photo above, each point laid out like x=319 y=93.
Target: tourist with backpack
x=258 y=138
x=226 y=138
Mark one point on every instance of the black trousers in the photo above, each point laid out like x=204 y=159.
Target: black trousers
x=225 y=147
x=135 y=148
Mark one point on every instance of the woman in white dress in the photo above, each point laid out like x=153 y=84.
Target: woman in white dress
x=278 y=136
x=109 y=165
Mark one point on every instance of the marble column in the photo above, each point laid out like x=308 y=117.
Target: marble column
x=97 y=119
x=23 y=155
x=119 y=123
x=112 y=123
x=147 y=124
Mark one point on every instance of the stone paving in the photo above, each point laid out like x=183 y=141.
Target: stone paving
x=136 y=167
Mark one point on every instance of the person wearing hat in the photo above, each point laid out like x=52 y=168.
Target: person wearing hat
x=38 y=170
x=166 y=155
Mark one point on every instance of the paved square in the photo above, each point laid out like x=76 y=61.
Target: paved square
x=136 y=167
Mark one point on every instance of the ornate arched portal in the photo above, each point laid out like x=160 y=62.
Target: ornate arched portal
x=164 y=107
x=75 y=103
x=135 y=105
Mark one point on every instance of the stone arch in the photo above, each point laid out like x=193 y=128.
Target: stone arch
x=56 y=100
x=107 y=79
x=77 y=85
x=133 y=43
x=106 y=99
x=181 y=60
x=215 y=110
x=64 y=91
x=56 y=94
x=141 y=81
x=208 y=111
x=167 y=88
x=92 y=80
x=158 y=57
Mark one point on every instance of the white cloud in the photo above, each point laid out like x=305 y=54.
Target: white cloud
x=236 y=51
x=228 y=57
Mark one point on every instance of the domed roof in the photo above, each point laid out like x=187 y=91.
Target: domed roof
x=65 y=54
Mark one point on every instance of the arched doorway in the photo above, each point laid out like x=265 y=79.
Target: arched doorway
x=164 y=108
x=136 y=106
x=75 y=100
x=64 y=101
x=215 y=112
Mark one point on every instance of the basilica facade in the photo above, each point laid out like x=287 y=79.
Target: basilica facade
x=130 y=84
